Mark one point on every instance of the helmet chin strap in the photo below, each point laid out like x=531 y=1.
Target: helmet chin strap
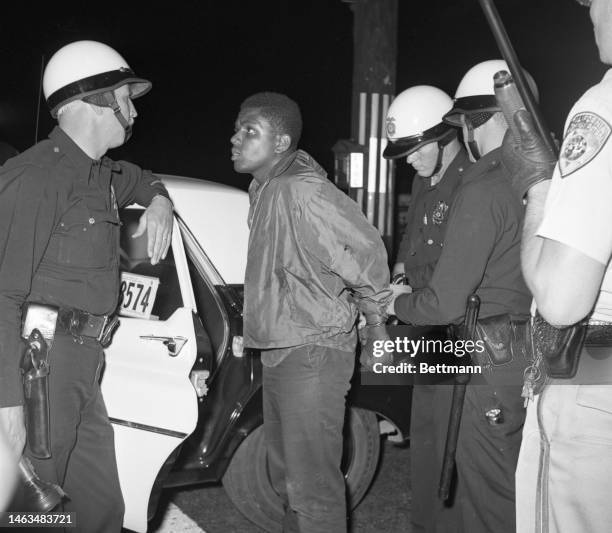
x=109 y=96
x=441 y=145
x=438 y=166
x=471 y=143
x=107 y=99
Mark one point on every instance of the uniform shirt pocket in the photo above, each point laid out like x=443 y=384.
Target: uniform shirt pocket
x=85 y=238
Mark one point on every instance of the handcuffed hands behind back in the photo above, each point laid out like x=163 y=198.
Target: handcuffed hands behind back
x=531 y=162
x=367 y=336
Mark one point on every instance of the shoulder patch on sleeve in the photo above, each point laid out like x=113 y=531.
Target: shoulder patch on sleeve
x=586 y=135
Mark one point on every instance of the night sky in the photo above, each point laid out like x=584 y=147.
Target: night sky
x=204 y=58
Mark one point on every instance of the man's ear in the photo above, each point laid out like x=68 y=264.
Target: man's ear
x=283 y=142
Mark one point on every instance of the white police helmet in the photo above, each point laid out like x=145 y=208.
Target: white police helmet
x=87 y=70
x=475 y=95
x=414 y=119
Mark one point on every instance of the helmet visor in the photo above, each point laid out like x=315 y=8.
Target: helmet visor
x=105 y=81
x=471 y=105
x=404 y=146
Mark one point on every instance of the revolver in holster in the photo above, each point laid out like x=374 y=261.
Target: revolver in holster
x=35 y=373
x=37 y=334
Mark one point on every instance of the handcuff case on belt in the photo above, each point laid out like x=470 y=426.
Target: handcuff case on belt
x=504 y=338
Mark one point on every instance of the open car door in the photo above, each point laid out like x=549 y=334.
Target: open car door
x=151 y=402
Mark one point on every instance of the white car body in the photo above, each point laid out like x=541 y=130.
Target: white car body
x=206 y=206
x=150 y=398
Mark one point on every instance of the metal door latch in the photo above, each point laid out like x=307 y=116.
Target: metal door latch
x=174 y=344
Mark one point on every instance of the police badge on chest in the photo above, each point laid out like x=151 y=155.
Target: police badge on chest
x=439 y=212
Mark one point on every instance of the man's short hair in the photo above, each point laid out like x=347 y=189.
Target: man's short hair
x=67 y=107
x=280 y=111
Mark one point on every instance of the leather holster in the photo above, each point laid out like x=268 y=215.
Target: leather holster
x=504 y=337
x=37 y=332
x=35 y=372
x=559 y=348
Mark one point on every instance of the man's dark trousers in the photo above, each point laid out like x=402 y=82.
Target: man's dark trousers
x=82 y=441
x=304 y=408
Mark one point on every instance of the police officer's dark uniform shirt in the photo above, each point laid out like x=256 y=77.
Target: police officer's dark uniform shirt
x=424 y=236
x=481 y=252
x=59 y=236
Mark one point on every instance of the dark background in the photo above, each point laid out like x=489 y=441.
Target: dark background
x=205 y=57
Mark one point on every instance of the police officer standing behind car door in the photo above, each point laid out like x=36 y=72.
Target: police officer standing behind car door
x=564 y=476
x=415 y=131
x=59 y=235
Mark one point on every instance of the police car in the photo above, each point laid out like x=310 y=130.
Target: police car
x=182 y=392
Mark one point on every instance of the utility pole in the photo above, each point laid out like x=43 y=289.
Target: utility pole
x=360 y=167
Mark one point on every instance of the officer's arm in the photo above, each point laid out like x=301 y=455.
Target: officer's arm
x=564 y=281
x=567 y=246
x=418 y=277
x=157 y=222
x=28 y=207
x=470 y=237
x=132 y=184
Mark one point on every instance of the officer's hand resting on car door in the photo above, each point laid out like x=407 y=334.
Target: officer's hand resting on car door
x=157 y=221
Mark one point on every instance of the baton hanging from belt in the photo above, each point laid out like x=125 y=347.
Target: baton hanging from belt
x=508 y=53
x=454 y=421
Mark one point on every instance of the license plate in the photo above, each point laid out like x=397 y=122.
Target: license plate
x=137 y=295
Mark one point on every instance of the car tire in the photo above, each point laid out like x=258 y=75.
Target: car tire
x=247 y=484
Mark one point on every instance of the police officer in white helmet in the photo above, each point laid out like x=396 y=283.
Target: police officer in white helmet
x=481 y=255
x=476 y=111
x=59 y=249
x=416 y=132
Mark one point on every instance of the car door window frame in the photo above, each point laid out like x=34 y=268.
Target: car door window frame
x=210 y=276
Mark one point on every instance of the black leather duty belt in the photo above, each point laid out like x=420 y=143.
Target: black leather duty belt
x=81 y=324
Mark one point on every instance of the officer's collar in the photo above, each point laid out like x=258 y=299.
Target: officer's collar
x=486 y=163
x=453 y=173
x=491 y=159
x=62 y=143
